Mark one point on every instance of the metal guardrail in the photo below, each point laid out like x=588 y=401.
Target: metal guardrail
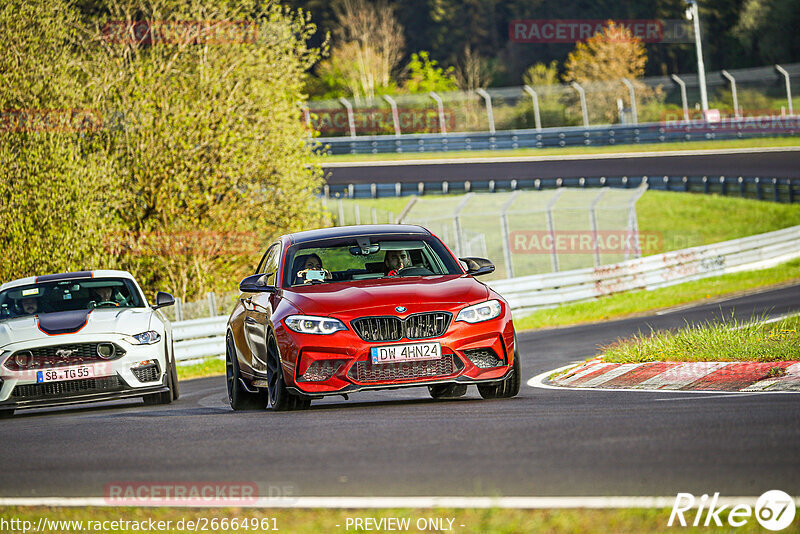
x=547 y=290
x=201 y=338
x=652 y=132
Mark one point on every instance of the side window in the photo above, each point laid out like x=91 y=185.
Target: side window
x=269 y=264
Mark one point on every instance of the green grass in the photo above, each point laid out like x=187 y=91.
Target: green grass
x=313 y=521
x=713 y=342
x=639 y=302
x=699 y=145
x=208 y=367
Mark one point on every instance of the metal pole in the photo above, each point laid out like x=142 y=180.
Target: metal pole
x=788 y=87
x=341 y=213
x=731 y=79
x=683 y=97
x=440 y=105
x=357 y=211
x=212 y=304
x=593 y=223
x=633 y=223
x=632 y=93
x=506 y=235
x=307 y=115
x=350 y=120
x=374 y=216
x=395 y=115
x=582 y=94
x=694 y=15
x=489 y=113
x=528 y=89
x=457 y=220
x=551 y=229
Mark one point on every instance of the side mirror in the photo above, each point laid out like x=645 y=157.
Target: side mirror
x=478 y=266
x=256 y=283
x=164 y=299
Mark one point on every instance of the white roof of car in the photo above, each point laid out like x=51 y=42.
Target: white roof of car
x=103 y=273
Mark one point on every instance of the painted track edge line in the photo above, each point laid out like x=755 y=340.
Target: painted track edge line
x=538 y=382
x=394 y=502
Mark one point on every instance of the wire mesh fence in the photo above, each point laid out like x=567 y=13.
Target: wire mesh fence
x=759 y=92
x=531 y=232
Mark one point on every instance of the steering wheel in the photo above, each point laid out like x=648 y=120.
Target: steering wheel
x=414 y=271
x=109 y=303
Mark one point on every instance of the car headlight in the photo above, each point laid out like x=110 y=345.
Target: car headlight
x=482 y=311
x=309 y=324
x=145 y=338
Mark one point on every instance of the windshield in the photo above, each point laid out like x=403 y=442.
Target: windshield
x=68 y=295
x=364 y=258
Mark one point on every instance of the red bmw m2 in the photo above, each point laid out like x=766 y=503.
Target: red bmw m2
x=340 y=310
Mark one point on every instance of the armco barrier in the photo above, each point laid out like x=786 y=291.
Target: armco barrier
x=652 y=132
x=541 y=291
x=206 y=337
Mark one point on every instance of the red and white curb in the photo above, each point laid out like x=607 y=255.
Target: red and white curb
x=677 y=376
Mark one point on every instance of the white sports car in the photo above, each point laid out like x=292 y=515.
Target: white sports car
x=82 y=337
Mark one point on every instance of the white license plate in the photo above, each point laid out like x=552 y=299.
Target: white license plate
x=406 y=352
x=75 y=372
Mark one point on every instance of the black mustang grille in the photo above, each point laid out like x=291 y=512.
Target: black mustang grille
x=67 y=387
x=388 y=328
x=60 y=356
x=368 y=372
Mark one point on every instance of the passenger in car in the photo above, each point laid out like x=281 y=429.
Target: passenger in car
x=304 y=263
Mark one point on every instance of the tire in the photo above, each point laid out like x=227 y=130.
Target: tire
x=507 y=388
x=239 y=398
x=173 y=373
x=447 y=391
x=165 y=397
x=6 y=414
x=280 y=400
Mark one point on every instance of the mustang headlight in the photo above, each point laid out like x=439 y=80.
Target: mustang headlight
x=482 y=311
x=145 y=338
x=309 y=324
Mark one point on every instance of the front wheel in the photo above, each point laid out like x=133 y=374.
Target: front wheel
x=239 y=398
x=507 y=388
x=279 y=397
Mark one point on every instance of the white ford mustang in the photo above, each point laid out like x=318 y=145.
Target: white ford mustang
x=82 y=337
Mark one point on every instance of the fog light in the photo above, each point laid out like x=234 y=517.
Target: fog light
x=321 y=370
x=106 y=350
x=483 y=358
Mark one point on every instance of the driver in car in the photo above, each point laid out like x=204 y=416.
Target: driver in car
x=394 y=261
x=106 y=295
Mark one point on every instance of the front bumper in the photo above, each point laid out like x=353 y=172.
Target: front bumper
x=351 y=355
x=113 y=379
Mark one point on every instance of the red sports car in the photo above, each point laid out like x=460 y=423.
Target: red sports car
x=339 y=310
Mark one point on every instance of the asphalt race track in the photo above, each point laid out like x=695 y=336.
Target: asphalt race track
x=541 y=443
x=781 y=163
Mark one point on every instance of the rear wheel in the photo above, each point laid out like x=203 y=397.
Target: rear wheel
x=279 y=397
x=447 y=391
x=239 y=398
x=507 y=388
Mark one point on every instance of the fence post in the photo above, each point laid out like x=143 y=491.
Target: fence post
x=506 y=235
x=440 y=105
x=395 y=116
x=350 y=120
x=178 y=309
x=535 y=97
x=788 y=87
x=633 y=221
x=632 y=93
x=489 y=114
x=357 y=213
x=374 y=216
x=307 y=116
x=582 y=94
x=731 y=79
x=341 y=212
x=684 y=102
x=593 y=223
x=552 y=230
x=457 y=220
x=212 y=304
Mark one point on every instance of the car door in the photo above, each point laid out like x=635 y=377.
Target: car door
x=258 y=309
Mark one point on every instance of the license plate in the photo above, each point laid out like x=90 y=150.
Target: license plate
x=406 y=352
x=76 y=372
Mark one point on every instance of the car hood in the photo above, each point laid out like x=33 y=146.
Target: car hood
x=415 y=293
x=127 y=321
